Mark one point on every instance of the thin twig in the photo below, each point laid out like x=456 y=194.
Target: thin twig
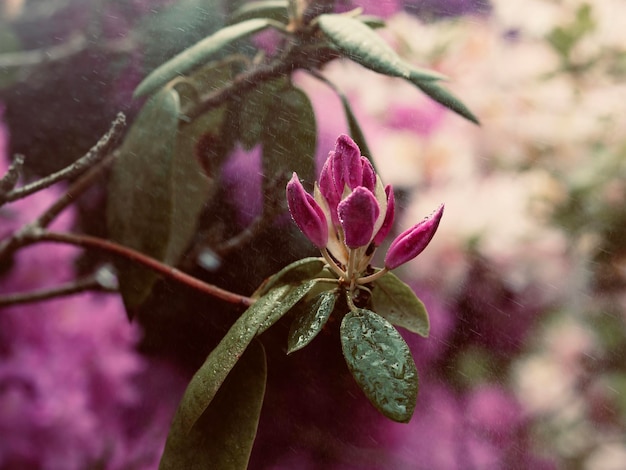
x=9 y=180
x=293 y=59
x=90 y=283
x=134 y=256
x=97 y=153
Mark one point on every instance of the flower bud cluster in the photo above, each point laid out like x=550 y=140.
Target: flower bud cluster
x=350 y=213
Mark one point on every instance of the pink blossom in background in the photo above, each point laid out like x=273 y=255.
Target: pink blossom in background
x=74 y=392
x=242 y=177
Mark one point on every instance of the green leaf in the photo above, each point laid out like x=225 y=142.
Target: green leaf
x=296 y=272
x=158 y=189
x=209 y=378
x=140 y=193
x=206 y=384
x=273 y=9
x=198 y=53
x=286 y=303
x=363 y=45
x=310 y=321
x=289 y=142
x=444 y=97
x=395 y=301
x=381 y=363
x=223 y=436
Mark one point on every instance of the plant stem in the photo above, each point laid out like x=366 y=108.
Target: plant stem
x=90 y=283
x=86 y=241
x=96 y=154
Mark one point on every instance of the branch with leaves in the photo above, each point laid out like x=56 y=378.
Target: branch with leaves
x=199 y=107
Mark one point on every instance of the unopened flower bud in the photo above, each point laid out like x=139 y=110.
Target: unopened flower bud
x=306 y=213
x=347 y=166
x=357 y=214
x=412 y=242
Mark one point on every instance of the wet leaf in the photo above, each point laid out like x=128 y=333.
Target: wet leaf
x=273 y=9
x=223 y=436
x=209 y=378
x=363 y=45
x=289 y=142
x=194 y=56
x=396 y=301
x=381 y=363
x=140 y=193
x=286 y=303
x=311 y=319
x=296 y=272
x=444 y=97
x=190 y=183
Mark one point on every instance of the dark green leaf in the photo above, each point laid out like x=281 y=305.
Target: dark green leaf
x=209 y=378
x=363 y=45
x=395 y=301
x=289 y=142
x=140 y=193
x=223 y=436
x=310 y=321
x=273 y=9
x=295 y=273
x=443 y=96
x=286 y=303
x=197 y=54
x=381 y=363
x=190 y=183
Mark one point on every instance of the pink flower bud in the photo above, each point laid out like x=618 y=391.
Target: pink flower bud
x=306 y=213
x=357 y=214
x=412 y=242
x=389 y=215
x=347 y=166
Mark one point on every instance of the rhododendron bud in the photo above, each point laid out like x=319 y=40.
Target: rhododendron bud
x=412 y=242
x=306 y=213
x=347 y=166
x=357 y=214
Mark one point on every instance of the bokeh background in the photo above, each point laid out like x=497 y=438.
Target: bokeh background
x=525 y=280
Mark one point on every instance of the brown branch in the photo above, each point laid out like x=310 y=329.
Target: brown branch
x=90 y=283
x=96 y=154
x=294 y=58
x=86 y=241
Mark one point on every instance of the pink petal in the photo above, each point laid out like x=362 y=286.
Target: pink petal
x=357 y=214
x=389 y=215
x=306 y=213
